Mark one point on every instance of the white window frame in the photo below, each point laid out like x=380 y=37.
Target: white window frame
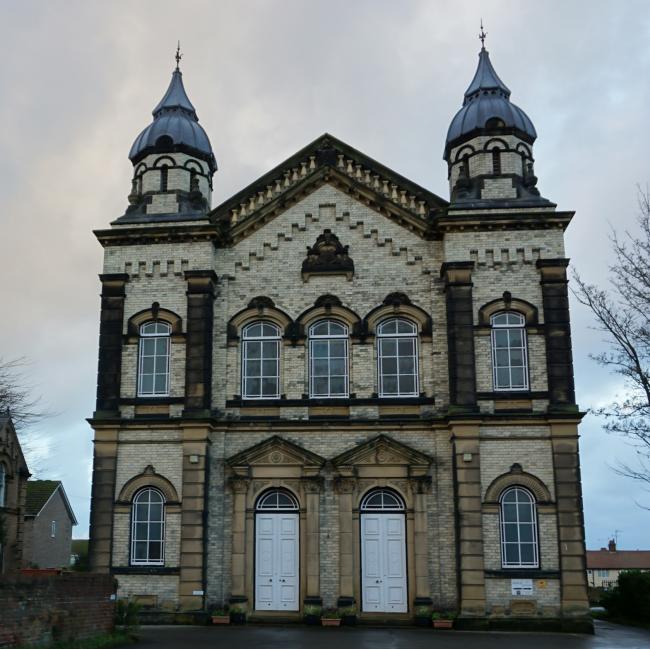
x=416 y=354
x=524 y=349
x=313 y=338
x=389 y=501
x=156 y=335
x=270 y=501
x=246 y=338
x=532 y=523
x=53 y=529
x=134 y=521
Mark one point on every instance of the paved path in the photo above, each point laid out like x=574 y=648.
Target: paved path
x=608 y=636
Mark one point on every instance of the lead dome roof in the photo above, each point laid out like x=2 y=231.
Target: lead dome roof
x=487 y=97
x=176 y=122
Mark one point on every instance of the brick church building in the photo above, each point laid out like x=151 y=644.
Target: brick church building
x=336 y=387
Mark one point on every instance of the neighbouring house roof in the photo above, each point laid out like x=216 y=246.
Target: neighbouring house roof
x=39 y=493
x=618 y=560
x=10 y=447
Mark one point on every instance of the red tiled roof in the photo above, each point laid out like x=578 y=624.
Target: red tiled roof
x=618 y=560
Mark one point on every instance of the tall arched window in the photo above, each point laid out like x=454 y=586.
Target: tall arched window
x=397 y=358
x=3 y=484
x=518 y=513
x=328 y=354
x=261 y=361
x=509 y=352
x=496 y=161
x=153 y=366
x=148 y=528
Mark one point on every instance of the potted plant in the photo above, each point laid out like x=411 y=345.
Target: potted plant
x=312 y=613
x=220 y=615
x=237 y=614
x=422 y=616
x=331 y=617
x=348 y=615
x=443 y=620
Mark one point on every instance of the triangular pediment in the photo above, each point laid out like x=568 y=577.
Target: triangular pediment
x=328 y=160
x=382 y=450
x=273 y=452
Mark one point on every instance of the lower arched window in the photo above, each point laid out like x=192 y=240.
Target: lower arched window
x=277 y=500
x=382 y=500
x=518 y=513
x=148 y=528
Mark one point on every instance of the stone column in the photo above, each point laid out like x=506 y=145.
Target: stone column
x=102 y=498
x=345 y=488
x=559 y=361
x=460 y=333
x=109 y=366
x=312 y=489
x=238 y=562
x=469 y=518
x=193 y=513
x=198 y=365
x=421 y=486
x=571 y=535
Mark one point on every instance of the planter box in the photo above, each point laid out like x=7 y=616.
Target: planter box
x=330 y=621
x=443 y=624
x=238 y=618
x=220 y=619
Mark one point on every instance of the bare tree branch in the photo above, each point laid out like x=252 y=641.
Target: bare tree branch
x=622 y=313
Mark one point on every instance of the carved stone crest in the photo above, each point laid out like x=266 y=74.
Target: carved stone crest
x=328 y=256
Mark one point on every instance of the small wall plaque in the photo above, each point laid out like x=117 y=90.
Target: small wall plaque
x=522 y=587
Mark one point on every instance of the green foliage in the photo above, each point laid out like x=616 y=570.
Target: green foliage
x=444 y=615
x=313 y=609
x=630 y=599
x=422 y=611
x=237 y=610
x=126 y=613
x=331 y=614
x=348 y=611
x=219 y=610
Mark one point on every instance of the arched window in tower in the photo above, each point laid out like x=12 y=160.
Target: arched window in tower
x=496 y=161
x=518 y=514
x=397 y=358
x=148 y=528
x=164 y=178
x=509 y=351
x=261 y=361
x=465 y=163
x=328 y=359
x=153 y=365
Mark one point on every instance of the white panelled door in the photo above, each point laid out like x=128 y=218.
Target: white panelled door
x=276 y=562
x=383 y=561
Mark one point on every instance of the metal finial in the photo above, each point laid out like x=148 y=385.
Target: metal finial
x=178 y=56
x=482 y=36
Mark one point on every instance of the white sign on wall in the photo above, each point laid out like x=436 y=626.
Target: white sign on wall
x=522 y=586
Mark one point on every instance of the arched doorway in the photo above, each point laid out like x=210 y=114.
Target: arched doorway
x=276 y=552
x=383 y=553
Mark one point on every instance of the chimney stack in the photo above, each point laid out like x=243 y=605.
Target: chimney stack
x=611 y=546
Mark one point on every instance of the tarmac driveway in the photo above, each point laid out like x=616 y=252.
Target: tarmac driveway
x=608 y=636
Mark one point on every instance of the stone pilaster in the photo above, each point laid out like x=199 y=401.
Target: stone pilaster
x=471 y=575
x=239 y=487
x=200 y=317
x=421 y=486
x=559 y=361
x=460 y=333
x=312 y=500
x=193 y=515
x=345 y=488
x=109 y=366
x=102 y=498
x=571 y=534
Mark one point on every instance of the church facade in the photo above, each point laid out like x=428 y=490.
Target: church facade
x=337 y=388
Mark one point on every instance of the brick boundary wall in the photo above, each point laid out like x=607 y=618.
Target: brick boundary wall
x=38 y=609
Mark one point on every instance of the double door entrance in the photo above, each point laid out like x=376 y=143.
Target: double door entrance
x=276 y=558
x=383 y=556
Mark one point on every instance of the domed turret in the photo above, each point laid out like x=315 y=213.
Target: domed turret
x=489 y=144
x=173 y=160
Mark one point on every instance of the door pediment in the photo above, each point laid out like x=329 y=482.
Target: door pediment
x=275 y=452
x=385 y=451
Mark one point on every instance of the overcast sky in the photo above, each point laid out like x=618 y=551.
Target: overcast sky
x=79 y=80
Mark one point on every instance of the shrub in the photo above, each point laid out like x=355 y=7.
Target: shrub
x=331 y=614
x=126 y=613
x=630 y=598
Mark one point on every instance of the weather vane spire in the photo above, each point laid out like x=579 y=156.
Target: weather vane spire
x=482 y=36
x=178 y=56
